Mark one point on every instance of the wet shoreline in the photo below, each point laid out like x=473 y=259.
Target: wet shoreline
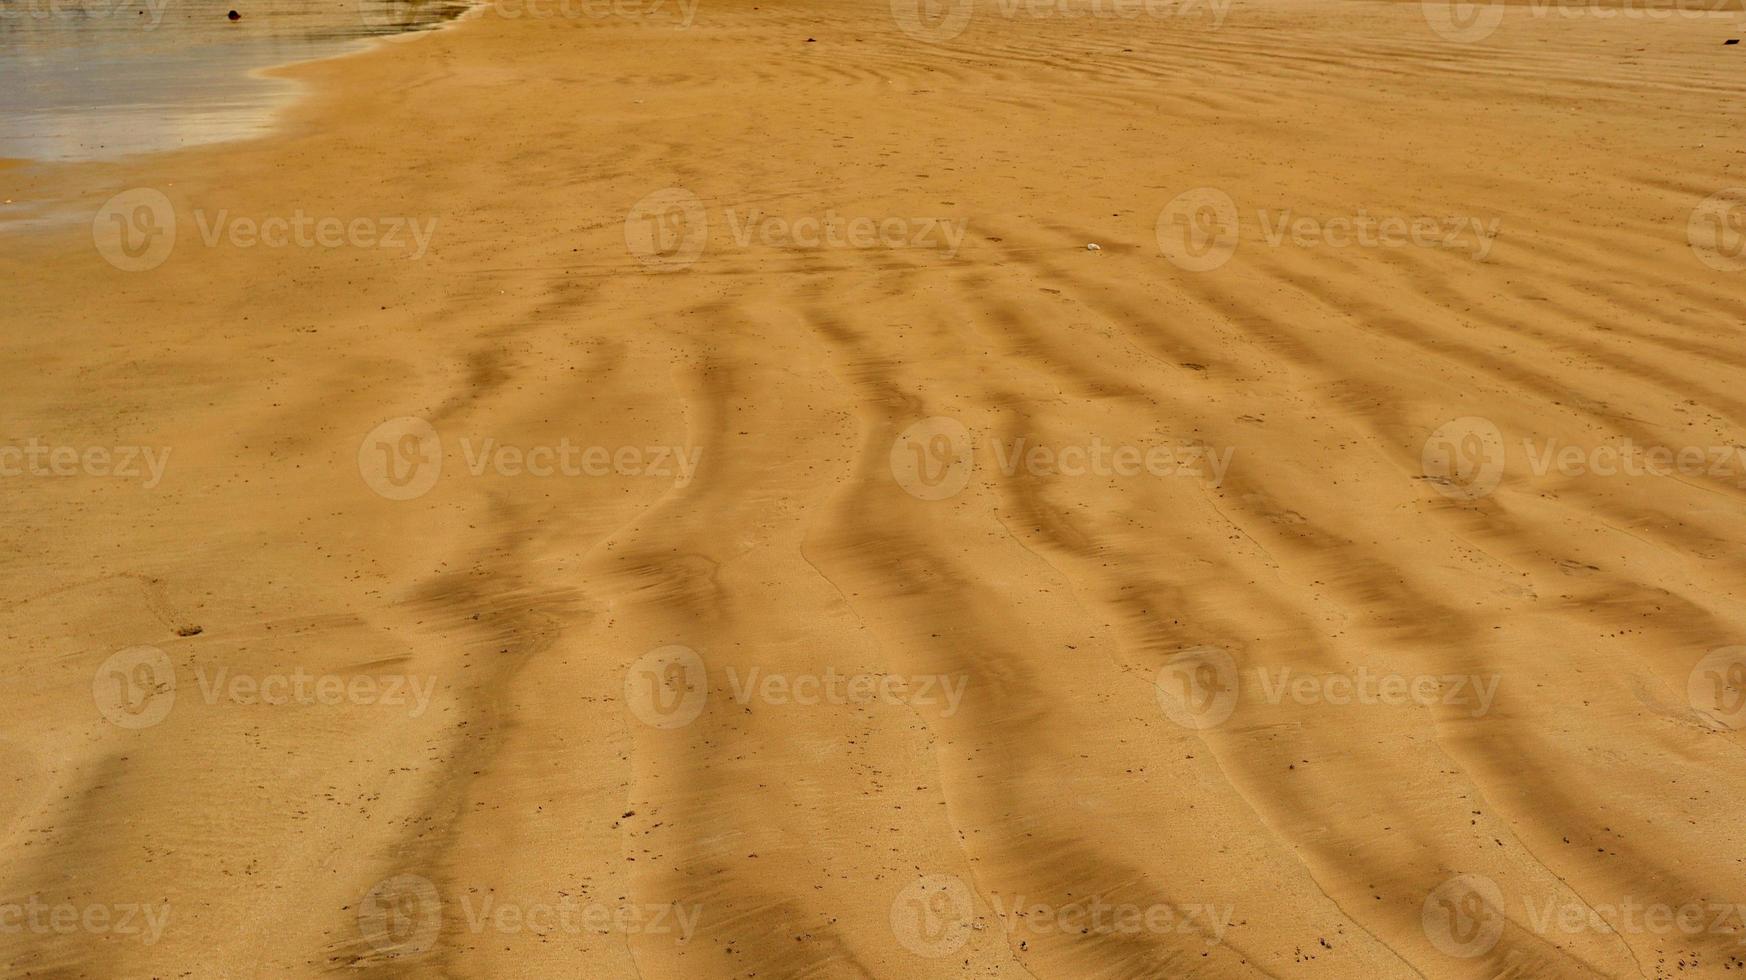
x=110 y=78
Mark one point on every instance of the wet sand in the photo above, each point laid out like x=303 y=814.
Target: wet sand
x=519 y=731
x=98 y=79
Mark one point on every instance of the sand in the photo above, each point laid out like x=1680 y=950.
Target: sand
x=1201 y=598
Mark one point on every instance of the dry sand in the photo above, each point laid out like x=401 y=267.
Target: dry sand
x=518 y=737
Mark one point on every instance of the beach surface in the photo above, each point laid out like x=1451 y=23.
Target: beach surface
x=98 y=79
x=667 y=491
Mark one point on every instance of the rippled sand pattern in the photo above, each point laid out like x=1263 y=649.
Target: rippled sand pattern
x=1341 y=682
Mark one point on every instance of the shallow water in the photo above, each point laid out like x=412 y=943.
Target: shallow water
x=87 y=79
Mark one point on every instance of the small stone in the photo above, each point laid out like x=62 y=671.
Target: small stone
x=1094 y=247
x=233 y=15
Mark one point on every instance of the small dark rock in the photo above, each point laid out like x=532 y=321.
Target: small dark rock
x=233 y=15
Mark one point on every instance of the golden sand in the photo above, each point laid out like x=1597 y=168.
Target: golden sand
x=1223 y=599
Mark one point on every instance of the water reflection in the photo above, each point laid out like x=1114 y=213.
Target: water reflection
x=81 y=79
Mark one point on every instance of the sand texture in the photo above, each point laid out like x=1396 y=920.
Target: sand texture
x=698 y=509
